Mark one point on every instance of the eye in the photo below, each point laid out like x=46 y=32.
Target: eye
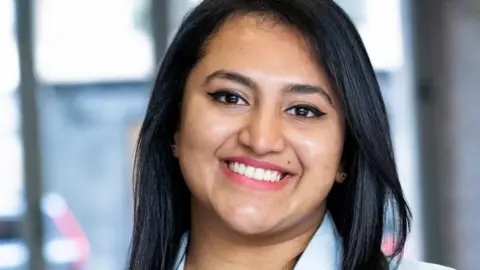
x=305 y=111
x=228 y=97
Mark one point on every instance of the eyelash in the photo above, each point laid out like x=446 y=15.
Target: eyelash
x=315 y=113
x=224 y=94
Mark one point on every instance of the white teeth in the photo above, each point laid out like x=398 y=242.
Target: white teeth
x=255 y=173
x=276 y=176
x=268 y=174
x=258 y=174
x=241 y=168
x=249 y=171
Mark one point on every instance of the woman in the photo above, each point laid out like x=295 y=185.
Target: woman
x=266 y=145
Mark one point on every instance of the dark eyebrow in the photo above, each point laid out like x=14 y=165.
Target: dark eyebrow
x=231 y=76
x=309 y=89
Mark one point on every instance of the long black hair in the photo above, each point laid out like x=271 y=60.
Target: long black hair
x=358 y=207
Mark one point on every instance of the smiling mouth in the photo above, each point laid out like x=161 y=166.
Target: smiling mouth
x=254 y=173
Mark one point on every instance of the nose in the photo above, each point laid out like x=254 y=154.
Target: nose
x=263 y=133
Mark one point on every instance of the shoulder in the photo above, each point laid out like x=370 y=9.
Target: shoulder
x=415 y=265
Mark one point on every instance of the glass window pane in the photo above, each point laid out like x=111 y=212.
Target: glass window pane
x=9 y=72
x=94 y=61
x=91 y=40
x=13 y=252
x=87 y=156
x=355 y=8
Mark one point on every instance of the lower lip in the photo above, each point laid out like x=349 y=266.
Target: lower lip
x=252 y=183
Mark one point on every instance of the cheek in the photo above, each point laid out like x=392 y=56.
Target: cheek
x=201 y=128
x=202 y=132
x=319 y=153
x=322 y=147
x=322 y=153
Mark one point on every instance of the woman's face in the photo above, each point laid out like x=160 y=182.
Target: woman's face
x=261 y=131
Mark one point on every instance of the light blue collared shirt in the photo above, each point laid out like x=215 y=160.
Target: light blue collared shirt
x=325 y=249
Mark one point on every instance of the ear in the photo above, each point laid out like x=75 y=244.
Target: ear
x=340 y=177
x=175 y=145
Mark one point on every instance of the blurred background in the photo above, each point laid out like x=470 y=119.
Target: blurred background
x=75 y=77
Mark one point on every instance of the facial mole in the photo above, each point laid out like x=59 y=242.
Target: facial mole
x=288 y=161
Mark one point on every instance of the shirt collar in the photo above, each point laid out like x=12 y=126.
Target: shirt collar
x=324 y=249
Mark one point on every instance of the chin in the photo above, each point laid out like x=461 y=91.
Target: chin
x=250 y=229
x=249 y=225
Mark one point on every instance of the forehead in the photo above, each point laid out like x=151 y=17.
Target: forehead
x=252 y=43
x=258 y=28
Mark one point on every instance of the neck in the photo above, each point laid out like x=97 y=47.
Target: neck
x=213 y=246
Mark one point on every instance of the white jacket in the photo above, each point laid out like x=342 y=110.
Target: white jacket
x=412 y=265
x=322 y=253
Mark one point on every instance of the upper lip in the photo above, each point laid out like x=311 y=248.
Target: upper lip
x=258 y=164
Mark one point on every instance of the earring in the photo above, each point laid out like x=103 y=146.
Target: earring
x=343 y=176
